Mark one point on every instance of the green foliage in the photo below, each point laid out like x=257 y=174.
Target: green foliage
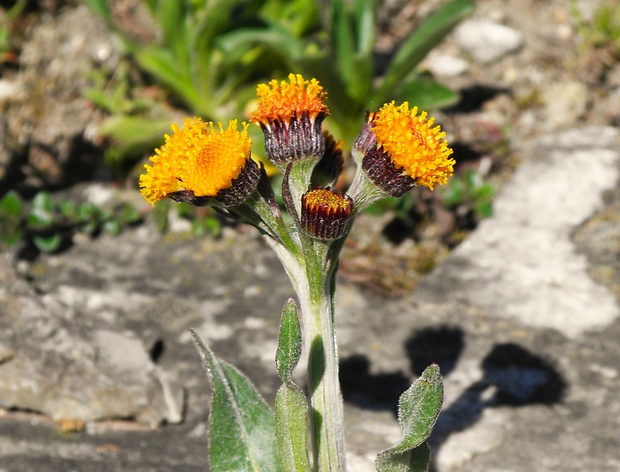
x=603 y=30
x=399 y=206
x=470 y=192
x=47 y=225
x=7 y=17
x=241 y=424
x=190 y=62
x=11 y=209
x=291 y=403
x=212 y=52
x=418 y=411
x=341 y=56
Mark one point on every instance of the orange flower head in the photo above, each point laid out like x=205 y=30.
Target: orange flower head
x=198 y=161
x=412 y=144
x=282 y=101
x=291 y=115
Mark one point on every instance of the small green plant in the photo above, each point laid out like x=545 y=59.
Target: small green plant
x=191 y=62
x=342 y=56
x=210 y=52
x=470 y=193
x=204 y=164
x=7 y=16
x=48 y=225
x=603 y=30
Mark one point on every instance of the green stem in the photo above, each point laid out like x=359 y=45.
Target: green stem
x=326 y=409
x=315 y=288
x=312 y=273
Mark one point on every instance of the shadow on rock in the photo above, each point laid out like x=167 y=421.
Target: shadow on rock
x=442 y=345
x=513 y=376
x=474 y=97
x=373 y=392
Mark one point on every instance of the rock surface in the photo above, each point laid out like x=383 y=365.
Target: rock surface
x=97 y=368
x=525 y=339
x=486 y=41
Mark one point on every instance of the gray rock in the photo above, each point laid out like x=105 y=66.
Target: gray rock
x=50 y=115
x=565 y=102
x=486 y=41
x=59 y=361
x=521 y=263
x=445 y=65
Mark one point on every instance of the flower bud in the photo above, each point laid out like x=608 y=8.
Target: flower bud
x=325 y=214
x=328 y=169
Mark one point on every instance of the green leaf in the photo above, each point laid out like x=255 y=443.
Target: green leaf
x=418 y=410
x=289 y=342
x=241 y=424
x=11 y=205
x=292 y=428
x=277 y=39
x=342 y=40
x=67 y=209
x=365 y=26
x=129 y=214
x=171 y=16
x=291 y=403
x=426 y=93
x=209 y=224
x=10 y=232
x=43 y=201
x=48 y=243
x=160 y=215
x=113 y=226
x=100 y=7
x=454 y=193
x=90 y=227
x=41 y=215
x=38 y=218
x=430 y=33
x=484 y=209
x=134 y=136
x=415 y=460
x=164 y=67
x=87 y=212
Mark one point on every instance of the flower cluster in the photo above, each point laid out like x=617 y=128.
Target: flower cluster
x=207 y=164
x=396 y=149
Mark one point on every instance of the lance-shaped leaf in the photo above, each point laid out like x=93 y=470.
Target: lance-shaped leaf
x=418 y=410
x=428 y=35
x=291 y=403
x=241 y=424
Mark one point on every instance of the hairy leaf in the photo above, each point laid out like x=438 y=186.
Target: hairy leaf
x=291 y=404
x=418 y=410
x=241 y=424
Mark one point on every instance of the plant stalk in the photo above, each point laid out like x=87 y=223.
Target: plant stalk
x=326 y=408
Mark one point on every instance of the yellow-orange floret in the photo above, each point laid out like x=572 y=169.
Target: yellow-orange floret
x=280 y=101
x=197 y=158
x=326 y=202
x=413 y=144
